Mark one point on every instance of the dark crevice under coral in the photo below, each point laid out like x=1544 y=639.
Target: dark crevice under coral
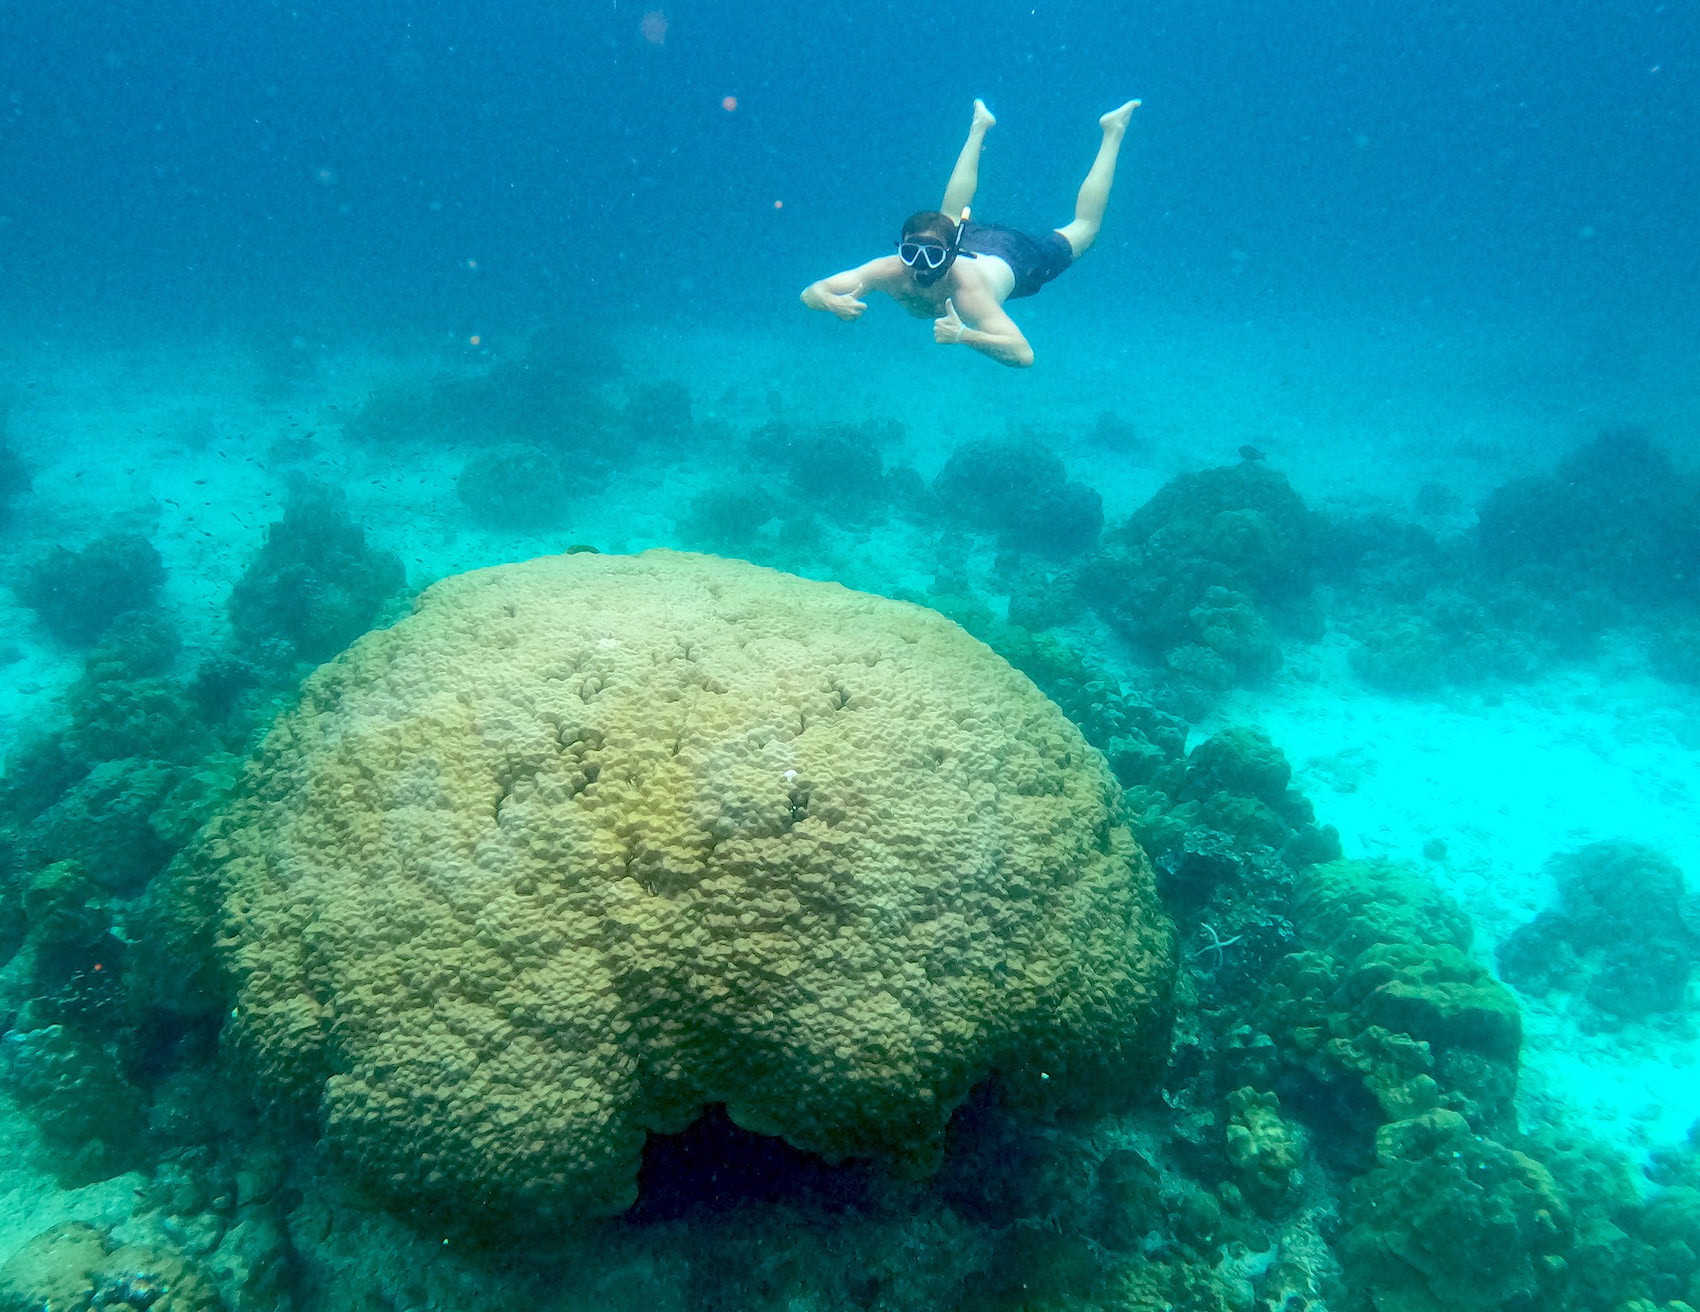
x=715 y=1167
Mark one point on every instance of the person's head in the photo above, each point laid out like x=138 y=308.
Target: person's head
x=928 y=245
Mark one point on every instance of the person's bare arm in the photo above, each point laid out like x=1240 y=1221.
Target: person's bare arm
x=994 y=333
x=841 y=293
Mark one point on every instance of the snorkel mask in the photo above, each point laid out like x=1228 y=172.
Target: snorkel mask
x=928 y=258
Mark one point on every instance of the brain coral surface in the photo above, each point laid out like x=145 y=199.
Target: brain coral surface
x=588 y=843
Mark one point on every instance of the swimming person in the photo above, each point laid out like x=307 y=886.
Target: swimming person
x=958 y=273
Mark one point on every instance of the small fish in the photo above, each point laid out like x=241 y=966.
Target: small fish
x=1249 y=452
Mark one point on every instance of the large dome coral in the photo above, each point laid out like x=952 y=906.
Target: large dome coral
x=588 y=844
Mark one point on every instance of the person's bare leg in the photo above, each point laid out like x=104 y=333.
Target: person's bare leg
x=965 y=177
x=1095 y=191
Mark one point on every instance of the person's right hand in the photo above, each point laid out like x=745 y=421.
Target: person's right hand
x=846 y=306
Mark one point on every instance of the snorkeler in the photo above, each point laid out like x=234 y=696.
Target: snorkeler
x=958 y=273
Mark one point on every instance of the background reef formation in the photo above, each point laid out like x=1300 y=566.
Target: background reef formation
x=589 y=844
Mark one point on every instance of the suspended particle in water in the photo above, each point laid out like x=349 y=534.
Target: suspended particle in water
x=654 y=27
x=729 y=103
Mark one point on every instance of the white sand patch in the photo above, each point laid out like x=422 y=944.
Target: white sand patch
x=1504 y=783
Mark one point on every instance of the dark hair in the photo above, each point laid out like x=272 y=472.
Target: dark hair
x=930 y=223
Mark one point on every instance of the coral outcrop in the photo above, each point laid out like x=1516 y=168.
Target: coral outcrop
x=588 y=845
x=1204 y=574
x=77 y=593
x=834 y=468
x=1017 y=490
x=516 y=487
x=1623 y=939
x=1383 y=1014
x=315 y=584
x=1616 y=516
x=1452 y=1221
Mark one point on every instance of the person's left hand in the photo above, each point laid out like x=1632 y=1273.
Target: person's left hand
x=948 y=327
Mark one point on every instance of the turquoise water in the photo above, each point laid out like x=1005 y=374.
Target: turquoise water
x=1369 y=424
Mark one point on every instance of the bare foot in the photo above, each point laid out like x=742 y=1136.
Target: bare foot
x=1117 y=119
x=983 y=117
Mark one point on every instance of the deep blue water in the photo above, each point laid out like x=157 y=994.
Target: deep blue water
x=217 y=164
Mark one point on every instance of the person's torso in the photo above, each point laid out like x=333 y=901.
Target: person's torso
x=988 y=271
